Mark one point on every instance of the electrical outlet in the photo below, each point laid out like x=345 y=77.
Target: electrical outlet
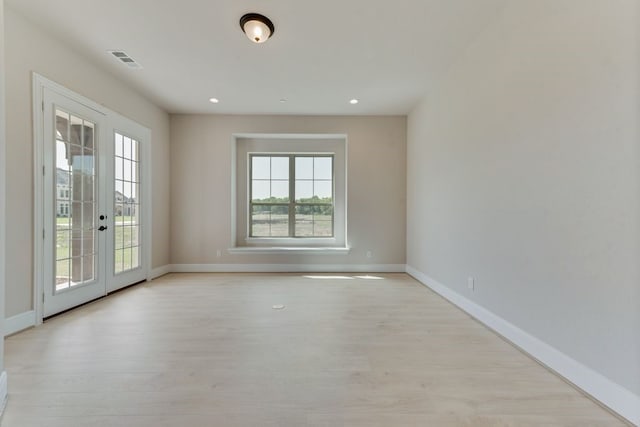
x=218 y=253
x=369 y=254
x=471 y=283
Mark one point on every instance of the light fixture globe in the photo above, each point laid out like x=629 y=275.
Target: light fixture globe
x=258 y=28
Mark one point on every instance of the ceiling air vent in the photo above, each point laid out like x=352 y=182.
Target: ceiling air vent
x=125 y=59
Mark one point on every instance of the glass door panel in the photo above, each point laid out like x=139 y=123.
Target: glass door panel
x=126 y=204
x=73 y=270
x=75 y=191
x=127 y=190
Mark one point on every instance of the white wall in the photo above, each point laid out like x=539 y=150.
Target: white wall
x=523 y=172
x=201 y=187
x=28 y=49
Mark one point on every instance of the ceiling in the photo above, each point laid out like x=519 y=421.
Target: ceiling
x=387 y=54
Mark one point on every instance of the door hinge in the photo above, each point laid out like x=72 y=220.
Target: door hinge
x=43 y=297
x=43 y=106
x=43 y=170
x=43 y=233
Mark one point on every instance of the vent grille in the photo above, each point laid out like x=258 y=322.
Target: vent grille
x=125 y=59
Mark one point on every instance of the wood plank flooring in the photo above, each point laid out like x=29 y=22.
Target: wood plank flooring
x=209 y=350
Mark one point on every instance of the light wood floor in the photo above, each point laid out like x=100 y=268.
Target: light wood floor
x=209 y=350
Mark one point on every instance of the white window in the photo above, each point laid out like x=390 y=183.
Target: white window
x=291 y=195
x=289 y=192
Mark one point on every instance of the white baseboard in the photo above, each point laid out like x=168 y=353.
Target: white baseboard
x=3 y=391
x=159 y=271
x=610 y=394
x=19 y=322
x=288 y=268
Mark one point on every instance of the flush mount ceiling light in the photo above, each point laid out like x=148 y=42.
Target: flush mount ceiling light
x=353 y=101
x=258 y=28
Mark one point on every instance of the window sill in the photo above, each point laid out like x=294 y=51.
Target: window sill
x=289 y=250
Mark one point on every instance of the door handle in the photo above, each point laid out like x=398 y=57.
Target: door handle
x=102 y=228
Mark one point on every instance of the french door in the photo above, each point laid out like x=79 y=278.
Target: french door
x=93 y=207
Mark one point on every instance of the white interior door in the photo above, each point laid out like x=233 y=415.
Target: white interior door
x=94 y=183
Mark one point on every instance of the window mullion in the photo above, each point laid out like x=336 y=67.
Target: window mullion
x=292 y=196
x=250 y=198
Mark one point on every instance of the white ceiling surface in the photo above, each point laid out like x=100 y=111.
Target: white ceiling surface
x=323 y=53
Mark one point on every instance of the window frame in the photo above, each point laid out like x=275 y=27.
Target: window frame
x=313 y=143
x=292 y=203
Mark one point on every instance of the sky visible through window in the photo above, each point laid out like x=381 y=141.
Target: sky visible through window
x=271 y=177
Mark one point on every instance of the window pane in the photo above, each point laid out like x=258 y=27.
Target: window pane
x=280 y=190
x=128 y=239
x=261 y=167
x=134 y=192
x=62 y=274
x=314 y=220
x=304 y=190
x=126 y=259
x=135 y=235
x=323 y=190
x=88 y=219
x=279 y=168
x=118 y=211
x=261 y=190
x=119 y=172
x=118 y=267
x=119 y=190
x=304 y=167
x=88 y=189
x=127 y=148
x=126 y=170
x=135 y=213
x=280 y=226
x=304 y=221
x=119 y=236
x=322 y=168
x=76 y=131
x=134 y=171
x=119 y=146
x=88 y=267
x=63 y=239
x=135 y=257
x=134 y=149
x=260 y=217
x=279 y=221
x=62 y=156
x=270 y=221
x=89 y=135
x=322 y=228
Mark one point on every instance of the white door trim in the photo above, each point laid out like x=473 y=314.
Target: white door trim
x=39 y=83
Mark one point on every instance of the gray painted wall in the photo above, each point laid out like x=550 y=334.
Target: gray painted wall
x=523 y=172
x=3 y=181
x=29 y=49
x=201 y=186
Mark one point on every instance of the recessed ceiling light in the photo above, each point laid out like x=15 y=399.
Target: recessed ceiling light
x=283 y=100
x=214 y=100
x=353 y=101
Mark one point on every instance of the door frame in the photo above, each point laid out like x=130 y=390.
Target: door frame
x=39 y=83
